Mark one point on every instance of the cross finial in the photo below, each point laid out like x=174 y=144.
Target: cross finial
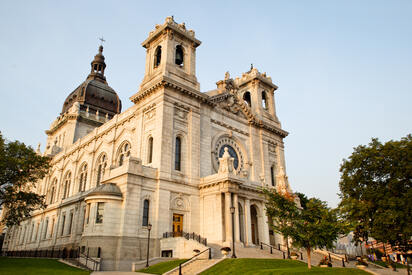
x=101 y=41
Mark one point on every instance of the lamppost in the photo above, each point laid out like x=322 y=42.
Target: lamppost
x=232 y=210
x=149 y=227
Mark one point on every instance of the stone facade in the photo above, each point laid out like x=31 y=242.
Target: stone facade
x=177 y=159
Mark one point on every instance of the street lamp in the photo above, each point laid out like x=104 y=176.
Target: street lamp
x=232 y=210
x=149 y=227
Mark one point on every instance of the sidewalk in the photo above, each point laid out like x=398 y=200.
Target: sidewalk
x=117 y=273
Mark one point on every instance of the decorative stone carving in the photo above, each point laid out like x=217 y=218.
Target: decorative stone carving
x=226 y=163
x=179 y=202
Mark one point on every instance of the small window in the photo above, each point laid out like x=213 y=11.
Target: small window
x=99 y=212
x=52 y=228
x=264 y=101
x=63 y=224
x=101 y=167
x=178 y=153
x=83 y=177
x=272 y=175
x=150 y=150
x=179 y=55
x=145 y=213
x=70 y=222
x=66 y=185
x=247 y=99
x=158 y=56
x=46 y=226
x=124 y=152
x=87 y=213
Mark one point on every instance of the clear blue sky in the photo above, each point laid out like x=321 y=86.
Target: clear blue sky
x=343 y=67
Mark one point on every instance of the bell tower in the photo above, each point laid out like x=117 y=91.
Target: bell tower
x=171 y=55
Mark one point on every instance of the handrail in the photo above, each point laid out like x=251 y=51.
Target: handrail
x=187 y=236
x=191 y=259
x=278 y=248
x=96 y=263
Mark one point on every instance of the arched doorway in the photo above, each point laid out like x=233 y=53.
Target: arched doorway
x=241 y=223
x=254 y=225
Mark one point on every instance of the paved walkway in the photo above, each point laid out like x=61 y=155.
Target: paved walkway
x=117 y=273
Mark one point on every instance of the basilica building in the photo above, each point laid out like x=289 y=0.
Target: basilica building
x=178 y=160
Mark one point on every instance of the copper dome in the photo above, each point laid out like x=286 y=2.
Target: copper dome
x=95 y=93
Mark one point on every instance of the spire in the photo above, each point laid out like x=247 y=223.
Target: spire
x=98 y=66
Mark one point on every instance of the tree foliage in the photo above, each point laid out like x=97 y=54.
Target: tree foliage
x=20 y=169
x=312 y=225
x=376 y=193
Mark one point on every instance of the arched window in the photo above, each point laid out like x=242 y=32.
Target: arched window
x=145 y=213
x=246 y=99
x=83 y=177
x=150 y=150
x=272 y=175
x=264 y=101
x=178 y=153
x=179 y=57
x=101 y=167
x=66 y=184
x=124 y=152
x=158 y=56
x=52 y=191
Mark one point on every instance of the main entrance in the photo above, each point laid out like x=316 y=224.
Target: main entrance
x=177 y=225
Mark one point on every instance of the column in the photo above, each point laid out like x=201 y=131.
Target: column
x=248 y=224
x=237 y=228
x=228 y=217
x=265 y=237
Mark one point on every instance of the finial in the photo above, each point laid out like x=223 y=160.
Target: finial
x=251 y=66
x=227 y=75
x=101 y=41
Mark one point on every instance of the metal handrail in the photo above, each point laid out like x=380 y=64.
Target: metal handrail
x=96 y=263
x=278 y=248
x=191 y=259
x=187 y=236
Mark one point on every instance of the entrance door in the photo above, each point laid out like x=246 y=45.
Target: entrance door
x=253 y=234
x=177 y=225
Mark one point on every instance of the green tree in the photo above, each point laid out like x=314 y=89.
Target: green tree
x=376 y=193
x=20 y=169
x=312 y=225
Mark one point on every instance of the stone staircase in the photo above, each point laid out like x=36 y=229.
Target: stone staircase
x=195 y=267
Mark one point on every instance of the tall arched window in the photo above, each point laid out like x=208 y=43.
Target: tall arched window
x=272 y=175
x=66 y=184
x=265 y=101
x=150 y=150
x=124 y=152
x=179 y=56
x=83 y=177
x=145 y=213
x=158 y=56
x=247 y=99
x=178 y=153
x=101 y=167
x=52 y=191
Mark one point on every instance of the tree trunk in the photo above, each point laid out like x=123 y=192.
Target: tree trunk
x=308 y=251
x=407 y=264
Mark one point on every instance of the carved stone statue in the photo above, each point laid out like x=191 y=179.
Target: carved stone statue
x=226 y=163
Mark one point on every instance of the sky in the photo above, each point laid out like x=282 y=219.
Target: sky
x=343 y=67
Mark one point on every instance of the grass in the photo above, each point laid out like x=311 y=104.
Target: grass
x=162 y=267
x=29 y=266
x=386 y=264
x=273 y=266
